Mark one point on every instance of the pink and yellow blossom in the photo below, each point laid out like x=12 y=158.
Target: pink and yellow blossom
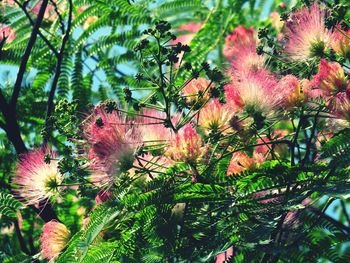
x=196 y=91
x=306 y=34
x=330 y=78
x=187 y=32
x=112 y=143
x=35 y=179
x=276 y=21
x=240 y=50
x=187 y=146
x=6 y=33
x=240 y=36
x=225 y=256
x=256 y=91
x=295 y=93
x=54 y=238
x=341 y=42
x=50 y=13
x=215 y=116
x=151 y=125
x=241 y=162
x=340 y=105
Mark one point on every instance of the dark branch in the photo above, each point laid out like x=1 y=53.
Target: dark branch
x=3 y=103
x=50 y=103
x=336 y=223
x=26 y=55
x=60 y=18
x=48 y=43
x=21 y=239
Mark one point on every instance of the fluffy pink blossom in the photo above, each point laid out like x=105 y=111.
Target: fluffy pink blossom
x=112 y=144
x=341 y=43
x=50 y=13
x=54 y=238
x=240 y=36
x=35 y=179
x=215 y=116
x=7 y=2
x=256 y=91
x=330 y=78
x=306 y=34
x=152 y=165
x=225 y=256
x=295 y=93
x=262 y=151
x=6 y=32
x=187 y=32
x=240 y=50
x=241 y=162
x=340 y=105
x=187 y=146
x=152 y=129
x=197 y=90
x=103 y=196
x=276 y=21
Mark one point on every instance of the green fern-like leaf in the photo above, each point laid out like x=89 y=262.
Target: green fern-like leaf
x=9 y=205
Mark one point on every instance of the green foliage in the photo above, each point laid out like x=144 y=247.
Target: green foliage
x=9 y=205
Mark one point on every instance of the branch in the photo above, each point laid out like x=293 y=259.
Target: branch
x=3 y=103
x=48 y=43
x=50 y=103
x=336 y=223
x=309 y=142
x=59 y=16
x=26 y=54
x=21 y=239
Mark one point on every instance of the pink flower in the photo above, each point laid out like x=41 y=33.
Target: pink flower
x=241 y=162
x=340 y=105
x=276 y=21
x=330 y=78
x=153 y=132
x=103 y=196
x=89 y=21
x=295 y=93
x=307 y=36
x=196 y=91
x=50 y=13
x=225 y=256
x=264 y=150
x=238 y=38
x=341 y=43
x=240 y=50
x=37 y=180
x=151 y=165
x=7 y=2
x=187 y=32
x=54 y=238
x=255 y=92
x=6 y=33
x=112 y=144
x=215 y=116
x=187 y=145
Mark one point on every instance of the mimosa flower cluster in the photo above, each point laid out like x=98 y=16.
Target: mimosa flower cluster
x=257 y=102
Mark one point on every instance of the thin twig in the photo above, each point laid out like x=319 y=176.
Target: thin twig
x=26 y=55
x=50 y=103
x=48 y=43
